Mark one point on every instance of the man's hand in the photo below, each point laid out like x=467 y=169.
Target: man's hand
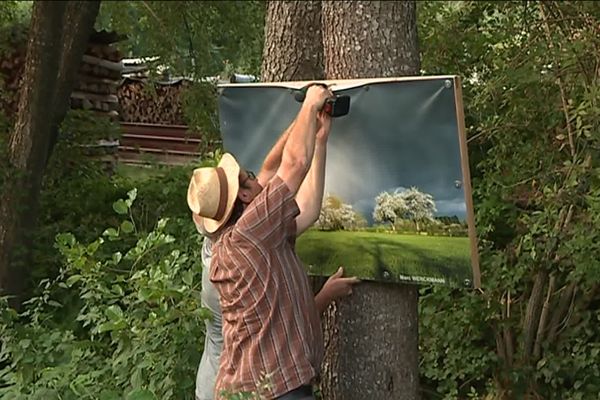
x=316 y=95
x=323 y=126
x=336 y=287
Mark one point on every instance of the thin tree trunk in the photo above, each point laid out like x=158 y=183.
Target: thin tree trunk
x=375 y=355
x=293 y=47
x=58 y=35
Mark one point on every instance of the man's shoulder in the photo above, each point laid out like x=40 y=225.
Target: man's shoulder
x=266 y=220
x=276 y=187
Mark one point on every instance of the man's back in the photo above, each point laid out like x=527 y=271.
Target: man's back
x=270 y=321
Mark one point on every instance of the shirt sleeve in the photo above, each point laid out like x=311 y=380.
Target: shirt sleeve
x=271 y=217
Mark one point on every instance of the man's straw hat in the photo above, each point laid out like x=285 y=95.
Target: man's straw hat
x=212 y=193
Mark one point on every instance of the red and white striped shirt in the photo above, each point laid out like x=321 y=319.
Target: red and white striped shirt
x=271 y=326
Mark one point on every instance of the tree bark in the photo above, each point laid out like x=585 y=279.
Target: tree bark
x=370 y=39
x=372 y=350
x=293 y=47
x=58 y=35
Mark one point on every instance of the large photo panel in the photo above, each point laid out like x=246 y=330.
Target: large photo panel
x=397 y=204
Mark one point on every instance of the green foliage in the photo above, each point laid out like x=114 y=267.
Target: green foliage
x=192 y=38
x=80 y=188
x=456 y=357
x=14 y=13
x=532 y=114
x=117 y=310
x=119 y=321
x=198 y=40
x=14 y=22
x=77 y=190
x=200 y=112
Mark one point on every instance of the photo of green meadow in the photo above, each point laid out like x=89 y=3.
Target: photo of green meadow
x=405 y=243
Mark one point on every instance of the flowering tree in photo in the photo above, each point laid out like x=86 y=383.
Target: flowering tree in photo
x=388 y=208
x=337 y=215
x=420 y=206
x=410 y=204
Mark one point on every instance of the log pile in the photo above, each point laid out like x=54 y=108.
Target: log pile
x=99 y=76
x=161 y=103
x=97 y=81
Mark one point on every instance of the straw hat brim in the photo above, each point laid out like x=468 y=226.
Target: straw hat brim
x=232 y=172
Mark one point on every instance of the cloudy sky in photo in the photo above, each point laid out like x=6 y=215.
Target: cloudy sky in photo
x=397 y=134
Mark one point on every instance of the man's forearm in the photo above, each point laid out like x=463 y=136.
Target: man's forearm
x=322 y=300
x=273 y=159
x=300 y=144
x=310 y=194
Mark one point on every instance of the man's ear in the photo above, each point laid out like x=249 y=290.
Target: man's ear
x=243 y=194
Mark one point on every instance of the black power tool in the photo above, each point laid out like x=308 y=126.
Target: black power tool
x=337 y=106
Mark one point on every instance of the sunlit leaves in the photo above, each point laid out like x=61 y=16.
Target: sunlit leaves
x=531 y=103
x=192 y=38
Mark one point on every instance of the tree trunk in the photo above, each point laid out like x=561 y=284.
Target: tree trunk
x=58 y=36
x=293 y=47
x=372 y=337
x=372 y=350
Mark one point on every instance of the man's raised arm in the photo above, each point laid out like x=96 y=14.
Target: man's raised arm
x=300 y=146
x=273 y=159
x=310 y=194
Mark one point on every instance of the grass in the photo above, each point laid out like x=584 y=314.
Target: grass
x=388 y=256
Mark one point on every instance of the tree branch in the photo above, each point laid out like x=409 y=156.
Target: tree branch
x=532 y=314
x=543 y=318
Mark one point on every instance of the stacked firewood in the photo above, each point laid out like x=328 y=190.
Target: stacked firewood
x=158 y=103
x=96 y=84
x=98 y=79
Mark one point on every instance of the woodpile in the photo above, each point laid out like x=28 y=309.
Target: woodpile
x=99 y=76
x=97 y=81
x=158 y=103
x=153 y=126
x=150 y=111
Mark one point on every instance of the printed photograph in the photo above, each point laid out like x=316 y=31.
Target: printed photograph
x=397 y=202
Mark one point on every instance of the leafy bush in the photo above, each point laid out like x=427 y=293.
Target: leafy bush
x=114 y=322
x=532 y=115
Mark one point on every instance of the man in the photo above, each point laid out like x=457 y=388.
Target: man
x=213 y=340
x=271 y=325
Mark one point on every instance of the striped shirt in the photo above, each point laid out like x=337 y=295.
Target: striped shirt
x=271 y=327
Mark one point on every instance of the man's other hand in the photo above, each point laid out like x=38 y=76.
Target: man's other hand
x=323 y=126
x=337 y=286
